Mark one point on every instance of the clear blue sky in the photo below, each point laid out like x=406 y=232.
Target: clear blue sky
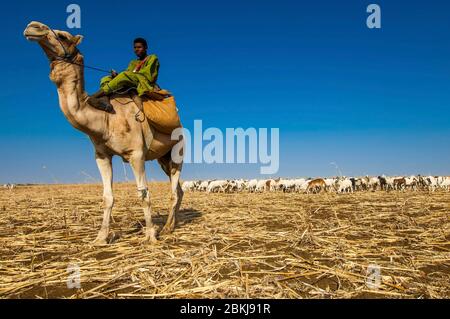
x=373 y=101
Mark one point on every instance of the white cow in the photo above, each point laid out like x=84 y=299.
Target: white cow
x=252 y=185
x=432 y=183
x=217 y=186
x=233 y=186
x=389 y=183
x=262 y=185
x=440 y=180
x=300 y=184
x=9 y=186
x=190 y=186
x=330 y=182
x=241 y=184
x=304 y=187
x=446 y=183
x=411 y=182
x=374 y=182
x=345 y=185
x=285 y=185
x=203 y=186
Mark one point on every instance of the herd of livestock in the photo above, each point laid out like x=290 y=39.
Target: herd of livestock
x=317 y=185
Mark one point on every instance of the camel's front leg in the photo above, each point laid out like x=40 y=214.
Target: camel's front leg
x=138 y=165
x=104 y=164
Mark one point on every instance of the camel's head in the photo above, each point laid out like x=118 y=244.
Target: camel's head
x=56 y=44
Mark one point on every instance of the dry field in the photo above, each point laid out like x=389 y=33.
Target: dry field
x=270 y=245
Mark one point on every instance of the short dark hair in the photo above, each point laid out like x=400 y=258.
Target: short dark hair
x=141 y=40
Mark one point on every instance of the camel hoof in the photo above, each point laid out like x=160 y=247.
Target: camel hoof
x=167 y=229
x=149 y=240
x=150 y=237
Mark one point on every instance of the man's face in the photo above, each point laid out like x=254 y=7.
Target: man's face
x=140 y=50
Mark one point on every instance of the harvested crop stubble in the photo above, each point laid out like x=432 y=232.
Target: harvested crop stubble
x=269 y=245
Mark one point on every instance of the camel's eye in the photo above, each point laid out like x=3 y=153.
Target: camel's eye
x=62 y=37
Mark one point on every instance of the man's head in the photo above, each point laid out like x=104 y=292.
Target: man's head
x=140 y=47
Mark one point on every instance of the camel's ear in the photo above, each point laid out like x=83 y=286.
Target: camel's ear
x=77 y=39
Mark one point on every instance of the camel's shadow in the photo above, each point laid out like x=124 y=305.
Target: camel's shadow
x=183 y=217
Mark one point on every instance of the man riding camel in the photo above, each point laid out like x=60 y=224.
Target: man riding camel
x=140 y=75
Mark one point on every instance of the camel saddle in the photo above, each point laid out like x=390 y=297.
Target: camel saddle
x=160 y=110
x=158 y=115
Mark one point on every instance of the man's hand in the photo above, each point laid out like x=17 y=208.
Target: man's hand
x=113 y=74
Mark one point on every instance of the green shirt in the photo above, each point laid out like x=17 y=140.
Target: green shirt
x=149 y=69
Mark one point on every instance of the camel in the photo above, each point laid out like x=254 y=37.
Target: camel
x=118 y=134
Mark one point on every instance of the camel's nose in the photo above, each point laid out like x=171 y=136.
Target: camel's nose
x=35 y=28
x=35 y=24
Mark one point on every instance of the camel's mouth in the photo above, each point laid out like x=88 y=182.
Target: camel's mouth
x=32 y=37
x=35 y=31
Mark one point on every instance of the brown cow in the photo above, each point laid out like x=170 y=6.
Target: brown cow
x=316 y=185
x=399 y=183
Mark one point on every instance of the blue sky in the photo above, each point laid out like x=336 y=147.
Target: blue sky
x=373 y=101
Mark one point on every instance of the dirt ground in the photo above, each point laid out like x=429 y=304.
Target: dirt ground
x=270 y=245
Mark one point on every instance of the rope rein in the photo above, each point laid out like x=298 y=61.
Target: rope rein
x=69 y=58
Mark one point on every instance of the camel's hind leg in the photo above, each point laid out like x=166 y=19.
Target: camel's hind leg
x=173 y=170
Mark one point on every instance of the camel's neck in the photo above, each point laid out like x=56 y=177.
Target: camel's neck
x=69 y=79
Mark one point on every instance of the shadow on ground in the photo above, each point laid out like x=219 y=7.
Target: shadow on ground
x=183 y=217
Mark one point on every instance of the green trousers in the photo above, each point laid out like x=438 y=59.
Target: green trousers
x=125 y=80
